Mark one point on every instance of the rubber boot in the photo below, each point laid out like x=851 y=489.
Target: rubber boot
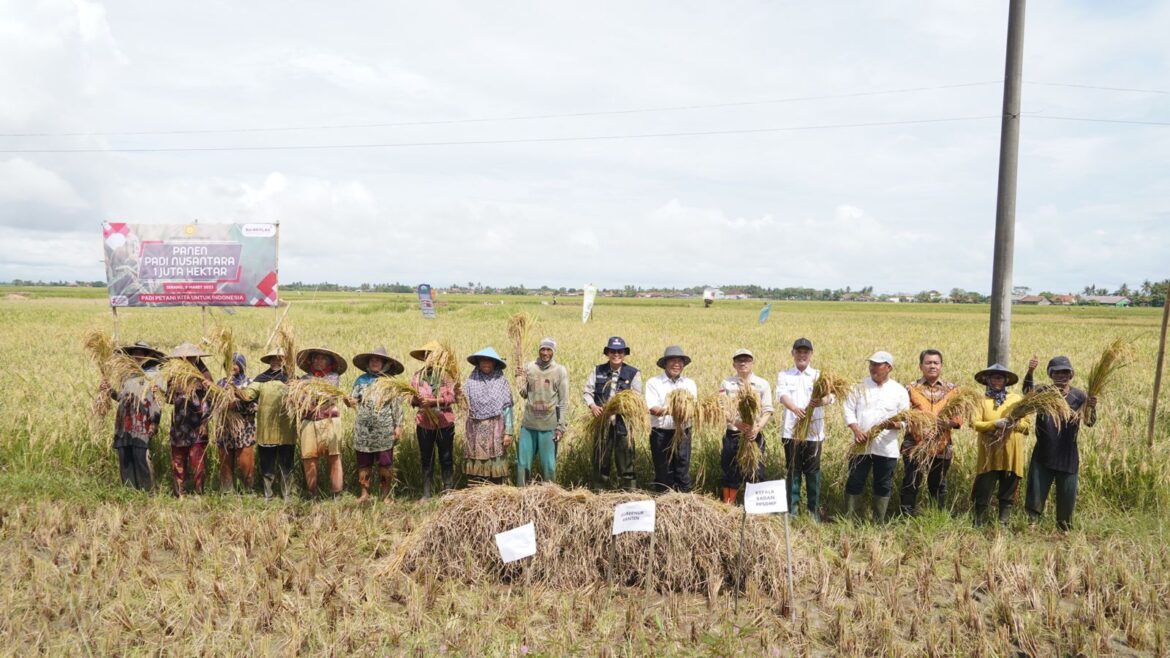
x=980 y=514
x=729 y=495
x=268 y=486
x=814 y=496
x=851 y=506
x=520 y=473
x=630 y=484
x=448 y=480
x=880 y=503
x=426 y=492
x=1005 y=512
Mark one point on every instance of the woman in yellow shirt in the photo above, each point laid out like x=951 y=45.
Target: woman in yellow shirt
x=1001 y=444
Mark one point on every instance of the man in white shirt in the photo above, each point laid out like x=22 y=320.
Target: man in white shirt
x=738 y=428
x=671 y=465
x=802 y=456
x=870 y=405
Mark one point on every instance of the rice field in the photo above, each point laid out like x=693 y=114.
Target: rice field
x=98 y=569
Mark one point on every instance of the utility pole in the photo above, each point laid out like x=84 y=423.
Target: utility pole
x=1158 y=367
x=1000 y=332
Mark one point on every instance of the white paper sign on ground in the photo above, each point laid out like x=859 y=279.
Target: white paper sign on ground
x=517 y=543
x=637 y=516
x=766 y=497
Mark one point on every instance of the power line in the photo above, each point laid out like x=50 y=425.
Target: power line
x=482 y=142
x=1079 y=86
x=1135 y=122
x=527 y=117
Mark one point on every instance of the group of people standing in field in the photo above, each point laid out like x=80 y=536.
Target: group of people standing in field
x=268 y=434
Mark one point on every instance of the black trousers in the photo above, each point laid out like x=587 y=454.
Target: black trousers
x=732 y=477
x=615 y=448
x=134 y=467
x=274 y=459
x=913 y=477
x=671 y=471
x=442 y=438
x=883 y=475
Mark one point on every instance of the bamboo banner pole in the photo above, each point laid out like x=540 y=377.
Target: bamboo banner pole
x=1158 y=370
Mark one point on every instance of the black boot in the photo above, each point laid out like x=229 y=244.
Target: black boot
x=1005 y=512
x=448 y=480
x=980 y=514
x=426 y=492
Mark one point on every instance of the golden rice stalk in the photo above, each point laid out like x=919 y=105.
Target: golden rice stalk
x=683 y=410
x=181 y=378
x=922 y=424
x=711 y=412
x=826 y=384
x=121 y=368
x=1116 y=356
x=747 y=404
x=288 y=346
x=101 y=349
x=223 y=346
x=748 y=457
x=447 y=363
x=307 y=398
x=1046 y=400
x=518 y=327
x=630 y=406
x=962 y=403
x=386 y=390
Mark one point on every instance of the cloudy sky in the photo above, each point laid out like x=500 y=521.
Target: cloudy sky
x=724 y=144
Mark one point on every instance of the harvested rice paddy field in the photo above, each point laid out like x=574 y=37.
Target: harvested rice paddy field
x=93 y=569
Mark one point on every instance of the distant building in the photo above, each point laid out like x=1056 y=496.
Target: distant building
x=1064 y=300
x=1106 y=300
x=1032 y=300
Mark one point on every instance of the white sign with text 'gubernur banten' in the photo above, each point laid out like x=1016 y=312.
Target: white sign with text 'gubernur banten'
x=765 y=497
x=637 y=516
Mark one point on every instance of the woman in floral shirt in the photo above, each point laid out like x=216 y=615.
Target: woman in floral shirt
x=189 y=424
x=236 y=441
x=379 y=421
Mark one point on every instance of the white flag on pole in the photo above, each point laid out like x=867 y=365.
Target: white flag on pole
x=766 y=497
x=637 y=516
x=517 y=543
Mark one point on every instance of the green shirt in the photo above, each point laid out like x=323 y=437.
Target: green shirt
x=547 y=393
x=274 y=426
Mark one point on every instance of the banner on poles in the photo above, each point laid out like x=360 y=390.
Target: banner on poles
x=765 y=497
x=517 y=543
x=426 y=301
x=191 y=264
x=637 y=516
x=587 y=302
x=765 y=312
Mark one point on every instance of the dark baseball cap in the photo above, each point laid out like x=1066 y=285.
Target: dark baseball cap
x=802 y=342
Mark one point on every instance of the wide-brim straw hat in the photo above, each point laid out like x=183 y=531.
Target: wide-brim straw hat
x=422 y=352
x=393 y=366
x=274 y=353
x=142 y=348
x=672 y=352
x=997 y=369
x=187 y=351
x=305 y=358
x=487 y=353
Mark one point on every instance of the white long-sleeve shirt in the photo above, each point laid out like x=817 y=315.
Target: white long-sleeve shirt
x=798 y=385
x=869 y=404
x=658 y=389
x=730 y=387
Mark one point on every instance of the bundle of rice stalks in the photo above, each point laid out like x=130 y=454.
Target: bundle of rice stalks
x=963 y=403
x=306 y=398
x=630 y=406
x=921 y=424
x=826 y=384
x=694 y=549
x=385 y=390
x=1116 y=356
x=683 y=410
x=747 y=405
x=100 y=348
x=184 y=379
x=518 y=327
x=181 y=378
x=447 y=363
x=711 y=412
x=1046 y=400
x=288 y=347
x=748 y=458
x=223 y=346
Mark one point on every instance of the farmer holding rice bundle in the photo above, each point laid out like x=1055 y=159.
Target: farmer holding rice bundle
x=276 y=430
x=870 y=406
x=236 y=440
x=1001 y=444
x=748 y=402
x=435 y=420
x=1056 y=457
x=489 y=418
x=320 y=428
x=189 y=423
x=794 y=388
x=544 y=384
x=138 y=415
x=378 y=426
x=614 y=445
x=672 y=458
x=930 y=394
